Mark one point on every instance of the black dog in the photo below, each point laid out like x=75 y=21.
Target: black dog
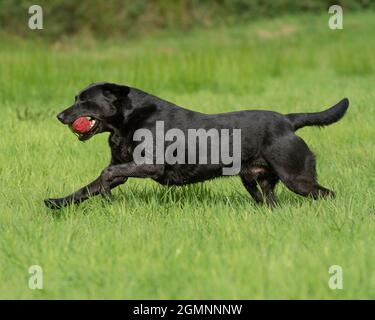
x=270 y=151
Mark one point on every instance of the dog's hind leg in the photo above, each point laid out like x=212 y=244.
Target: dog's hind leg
x=251 y=187
x=294 y=163
x=267 y=184
x=259 y=177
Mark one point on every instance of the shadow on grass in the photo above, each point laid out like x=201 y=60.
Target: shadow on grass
x=201 y=194
x=198 y=195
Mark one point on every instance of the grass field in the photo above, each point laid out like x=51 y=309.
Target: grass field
x=206 y=240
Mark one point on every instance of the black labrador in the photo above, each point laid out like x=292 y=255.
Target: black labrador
x=270 y=150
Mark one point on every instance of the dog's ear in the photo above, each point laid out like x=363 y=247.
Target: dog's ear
x=123 y=102
x=134 y=113
x=119 y=91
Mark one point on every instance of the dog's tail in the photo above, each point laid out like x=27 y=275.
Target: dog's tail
x=323 y=118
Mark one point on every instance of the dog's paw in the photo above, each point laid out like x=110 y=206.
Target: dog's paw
x=55 y=203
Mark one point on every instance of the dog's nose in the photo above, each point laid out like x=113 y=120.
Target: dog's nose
x=60 y=117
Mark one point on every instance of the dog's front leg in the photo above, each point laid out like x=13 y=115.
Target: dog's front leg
x=122 y=171
x=92 y=189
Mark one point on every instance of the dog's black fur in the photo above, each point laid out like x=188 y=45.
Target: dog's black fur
x=270 y=151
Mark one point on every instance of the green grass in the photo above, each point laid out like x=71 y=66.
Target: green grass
x=202 y=241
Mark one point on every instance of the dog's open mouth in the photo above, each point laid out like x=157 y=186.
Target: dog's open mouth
x=84 y=127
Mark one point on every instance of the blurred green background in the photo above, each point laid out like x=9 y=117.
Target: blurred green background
x=113 y=18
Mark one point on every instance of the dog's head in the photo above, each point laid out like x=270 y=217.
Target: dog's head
x=104 y=105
